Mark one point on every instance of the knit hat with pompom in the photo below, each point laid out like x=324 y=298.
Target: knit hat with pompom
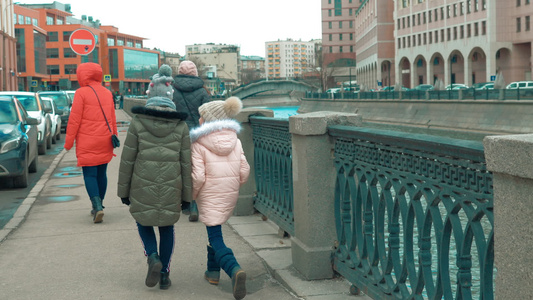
x=160 y=91
x=220 y=110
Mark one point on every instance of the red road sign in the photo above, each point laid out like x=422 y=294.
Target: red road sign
x=82 y=41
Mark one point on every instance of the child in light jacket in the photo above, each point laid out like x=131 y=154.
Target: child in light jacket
x=219 y=168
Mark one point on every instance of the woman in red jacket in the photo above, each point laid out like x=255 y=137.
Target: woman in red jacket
x=91 y=123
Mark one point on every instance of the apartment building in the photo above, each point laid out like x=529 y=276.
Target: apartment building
x=218 y=64
x=374 y=43
x=252 y=68
x=338 y=40
x=289 y=59
x=455 y=41
x=8 y=64
x=46 y=61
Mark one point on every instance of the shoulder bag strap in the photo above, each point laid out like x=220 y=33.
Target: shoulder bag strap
x=108 y=127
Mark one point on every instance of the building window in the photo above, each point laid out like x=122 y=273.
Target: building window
x=110 y=41
x=340 y=36
x=436 y=36
x=404 y=3
x=425 y=38
x=49 y=20
x=28 y=21
x=449 y=32
x=462 y=32
x=399 y=43
x=52 y=36
x=425 y=20
x=436 y=14
x=351 y=24
x=462 y=9
x=338 y=7
x=468 y=30
x=340 y=49
x=35 y=22
x=476 y=5
x=455 y=10
x=138 y=45
x=121 y=42
x=468 y=6
x=70 y=69
x=59 y=21
x=483 y=4
x=66 y=35
x=330 y=25
x=329 y=12
x=429 y=16
x=419 y=23
x=483 y=27
x=68 y=53
x=518 y=25
x=518 y=2
x=476 y=29
x=442 y=13
x=21 y=20
x=52 y=53
x=330 y=37
x=351 y=36
x=330 y=49
x=448 y=11
x=351 y=49
x=527 y=26
x=455 y=33
x=419 y=39
x=53 y=69
x=340 y=24
x=398 y=26
x=351 y=11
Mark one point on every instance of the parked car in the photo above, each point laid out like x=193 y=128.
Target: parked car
x=392 y=88
x=63 y=102
x=55 y=117
x=333 y=90
x=520 y=85
x=33 y=105
x=18 y=142
x=70 y=94
x=483 y=86
x=423 y=87
x=456 y=86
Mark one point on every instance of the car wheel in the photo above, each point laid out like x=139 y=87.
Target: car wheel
x=58 y=135
x=49 y=141
x=42 y=148
x=33 y=166
x=22 y=180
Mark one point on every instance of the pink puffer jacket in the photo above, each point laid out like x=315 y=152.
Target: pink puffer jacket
x=219 y=168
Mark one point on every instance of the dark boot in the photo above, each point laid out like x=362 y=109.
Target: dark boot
x=238 y=282
x=98 y=209
x=154 y=270
x=164 y=282
x=212 y=275
x=193 y=217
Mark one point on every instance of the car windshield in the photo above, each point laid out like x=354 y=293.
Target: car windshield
x=59 y=99
x=29 y=102
x=7 y=112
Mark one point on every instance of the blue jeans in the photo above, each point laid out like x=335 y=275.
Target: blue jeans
x=166 y=243
x=95 y=178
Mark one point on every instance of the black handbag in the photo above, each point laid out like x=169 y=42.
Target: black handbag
x=114 y=138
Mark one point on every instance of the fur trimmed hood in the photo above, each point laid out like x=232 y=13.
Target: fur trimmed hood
x=165 y=114
x=210 y=127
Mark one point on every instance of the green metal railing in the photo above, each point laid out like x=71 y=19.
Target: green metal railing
x=273 y=170
x=414 y=215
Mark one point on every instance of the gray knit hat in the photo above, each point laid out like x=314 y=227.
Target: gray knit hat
x=220 y=110
x=160 y=101
x=161 y=85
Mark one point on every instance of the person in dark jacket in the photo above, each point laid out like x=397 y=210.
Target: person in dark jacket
x=155 y=174
x=189 y=95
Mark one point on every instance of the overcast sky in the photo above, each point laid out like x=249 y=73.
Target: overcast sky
x=170 y=25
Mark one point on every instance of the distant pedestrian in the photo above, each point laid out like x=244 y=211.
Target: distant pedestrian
x=190 y=94
x=155 y=173
x=121 y=105
x=92 y=117
x=219 y=168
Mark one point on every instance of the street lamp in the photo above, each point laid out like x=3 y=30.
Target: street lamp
x=4 y=20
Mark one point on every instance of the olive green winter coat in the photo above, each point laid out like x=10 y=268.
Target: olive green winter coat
x=155 y=166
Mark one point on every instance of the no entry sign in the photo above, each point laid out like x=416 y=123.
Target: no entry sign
x=82 y=41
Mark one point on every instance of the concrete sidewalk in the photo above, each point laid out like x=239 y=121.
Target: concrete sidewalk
x=51 y=249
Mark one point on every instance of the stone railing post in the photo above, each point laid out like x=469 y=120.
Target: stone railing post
x=314 y=191
x=245 y=204
x=510 y=159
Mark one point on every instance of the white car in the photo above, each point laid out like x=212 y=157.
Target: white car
x=55 y=117
x=456 y=86
x=520 y=85
x=35 y=108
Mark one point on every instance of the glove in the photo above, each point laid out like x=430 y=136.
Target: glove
x=185 y=207
x=126 y=200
